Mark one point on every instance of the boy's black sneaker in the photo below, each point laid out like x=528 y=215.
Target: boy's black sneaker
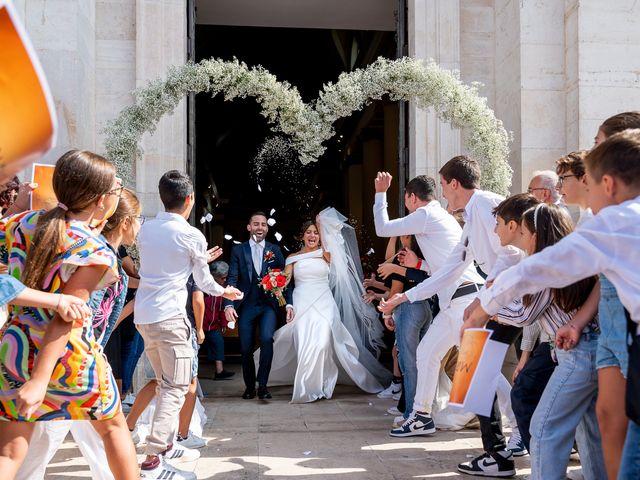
x=498 y=464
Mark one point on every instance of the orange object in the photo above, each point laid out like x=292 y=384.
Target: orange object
x=43 y=197
x=27 y=116
x=471 y=348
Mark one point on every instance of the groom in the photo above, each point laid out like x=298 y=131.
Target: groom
x=250 y=262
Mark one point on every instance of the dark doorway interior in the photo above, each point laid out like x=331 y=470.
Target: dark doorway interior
x=229 y=135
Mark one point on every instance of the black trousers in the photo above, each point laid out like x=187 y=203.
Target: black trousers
x=528 y=388
x=491 y=426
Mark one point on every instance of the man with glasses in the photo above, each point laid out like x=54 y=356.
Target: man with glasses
x=572 y=185
x=543 y=186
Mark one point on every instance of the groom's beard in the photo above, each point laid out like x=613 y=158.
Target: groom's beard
x=258 y=237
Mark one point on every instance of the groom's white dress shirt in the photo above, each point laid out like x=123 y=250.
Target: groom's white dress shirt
x=436 y=232
x=170 y=251
x=257 y=252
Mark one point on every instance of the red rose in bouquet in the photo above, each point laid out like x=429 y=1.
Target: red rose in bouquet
x=274 y=282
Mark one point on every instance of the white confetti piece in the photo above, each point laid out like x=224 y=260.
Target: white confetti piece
x=208 y=217
x=370 y=404
x=308 y=452
x=228 y=237
x=278 y=236
x=259 y=188
x=271 y=222
x=273 y=210
x=236 y=242
x=203 y=219
x=285 y=247
x=371 y=251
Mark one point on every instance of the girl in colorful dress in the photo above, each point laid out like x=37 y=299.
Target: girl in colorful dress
x=106 y=304
x=51 y=369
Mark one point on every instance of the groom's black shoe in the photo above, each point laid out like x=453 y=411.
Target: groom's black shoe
x=263 y=393
x=249 y=393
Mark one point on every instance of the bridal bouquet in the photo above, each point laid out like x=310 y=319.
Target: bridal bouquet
x=274 y=283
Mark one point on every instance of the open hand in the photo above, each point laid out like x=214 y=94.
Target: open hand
x=213 y=253
x=382 y=182
x=388 y=306
x=30 y=396
x=370 y=281
x=72 y=308
x=386 y=269
x=408 y=258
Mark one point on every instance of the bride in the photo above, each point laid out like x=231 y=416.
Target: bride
x=334 y=336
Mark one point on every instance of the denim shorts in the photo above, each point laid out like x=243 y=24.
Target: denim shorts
x=613 y=346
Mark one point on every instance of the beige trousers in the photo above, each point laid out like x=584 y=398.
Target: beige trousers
x=167 y=345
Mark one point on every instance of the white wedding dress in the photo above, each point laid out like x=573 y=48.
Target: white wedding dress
x=315 y=350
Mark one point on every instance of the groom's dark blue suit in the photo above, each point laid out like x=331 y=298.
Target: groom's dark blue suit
x=255 y=309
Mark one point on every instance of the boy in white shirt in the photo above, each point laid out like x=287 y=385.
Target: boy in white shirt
x=607 y=244
x=460 y=179
x=170 y=251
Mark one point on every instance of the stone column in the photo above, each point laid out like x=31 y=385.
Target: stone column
x=63 y=35
x=602 y=64
x=161 y=41
x=434 y=33
x=542 y=97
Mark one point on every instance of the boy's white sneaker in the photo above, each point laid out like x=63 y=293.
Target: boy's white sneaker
x=391 y=390
x=180 y=454
x=165 y=471
x=192 y=441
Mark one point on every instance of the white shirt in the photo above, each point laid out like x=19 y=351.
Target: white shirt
x=609 y=243
x=479 y=242
x=437 y=233
x=170 y=251
x=257 y=249
x=585 y=215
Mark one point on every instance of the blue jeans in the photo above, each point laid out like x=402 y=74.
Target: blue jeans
x=214 y=342
x=131 y=349
x=412 y=321
x=630 y=464
x=567 y=410
x=613 y=347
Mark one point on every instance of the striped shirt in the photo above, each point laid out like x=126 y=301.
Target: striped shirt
x=541 y=308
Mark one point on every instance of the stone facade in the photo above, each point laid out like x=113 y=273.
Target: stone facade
x=551 y=69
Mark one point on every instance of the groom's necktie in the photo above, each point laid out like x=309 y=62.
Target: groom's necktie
x=257 y=257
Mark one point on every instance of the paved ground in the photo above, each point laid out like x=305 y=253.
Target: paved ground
x=343 y=438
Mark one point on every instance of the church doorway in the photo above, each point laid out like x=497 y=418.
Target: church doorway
x=308 y=46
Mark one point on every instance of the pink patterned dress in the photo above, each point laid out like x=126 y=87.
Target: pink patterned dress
x=81 y=386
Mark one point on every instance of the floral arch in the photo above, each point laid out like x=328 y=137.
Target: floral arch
x=309 y=125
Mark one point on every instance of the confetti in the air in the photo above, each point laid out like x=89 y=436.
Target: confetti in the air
x=208 y=217
x=278 y=236
x=203 y=219
x=228 y=237
x=271 y=222
x=259 y=188
x=273 y=210
x=371 y=251
x=236 y=242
